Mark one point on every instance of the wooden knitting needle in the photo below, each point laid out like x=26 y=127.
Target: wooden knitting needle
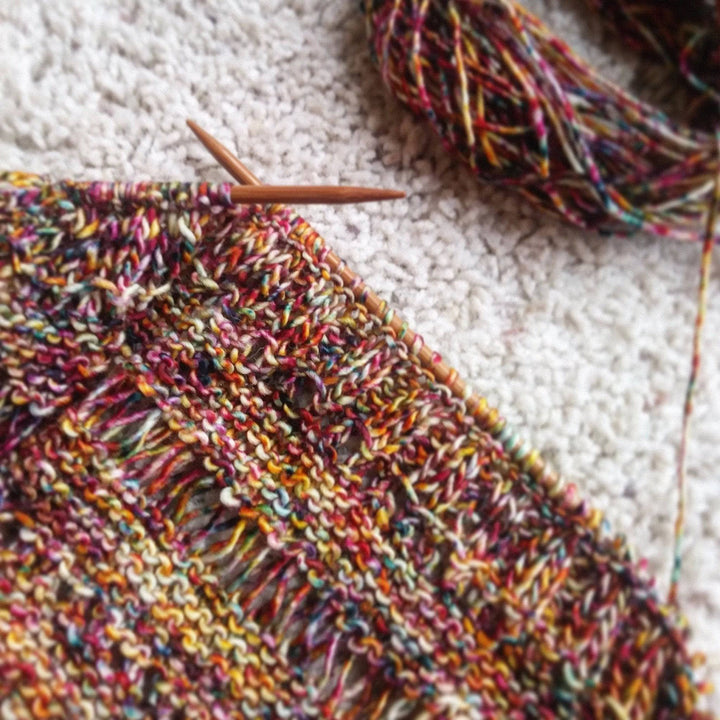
x=255 y=192
x=311 y=194
x=224 y=156
x=442 y=372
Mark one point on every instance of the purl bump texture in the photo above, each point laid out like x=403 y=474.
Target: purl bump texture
x=228 y=490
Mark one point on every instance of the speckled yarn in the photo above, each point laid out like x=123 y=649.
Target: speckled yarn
x=523 y=110
x=228 y=490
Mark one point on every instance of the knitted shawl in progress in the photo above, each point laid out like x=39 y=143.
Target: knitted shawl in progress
x=229 y=490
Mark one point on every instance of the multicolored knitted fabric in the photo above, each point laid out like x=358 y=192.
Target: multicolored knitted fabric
x=227 y=490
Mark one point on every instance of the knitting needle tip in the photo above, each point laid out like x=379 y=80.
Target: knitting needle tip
x=254 y=192
x=223 y=155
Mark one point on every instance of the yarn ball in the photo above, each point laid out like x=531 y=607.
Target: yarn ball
x=521 y=109
x=228 y=490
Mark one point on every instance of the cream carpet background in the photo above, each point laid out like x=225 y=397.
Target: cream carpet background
x=582 y=341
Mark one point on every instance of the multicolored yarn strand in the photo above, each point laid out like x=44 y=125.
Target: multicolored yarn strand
x=705 y=267
x=515 y=103
x=228 y=490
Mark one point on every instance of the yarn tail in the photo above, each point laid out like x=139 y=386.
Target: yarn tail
x=705 y=267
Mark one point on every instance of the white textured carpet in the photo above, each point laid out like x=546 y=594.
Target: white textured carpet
x=582 y=341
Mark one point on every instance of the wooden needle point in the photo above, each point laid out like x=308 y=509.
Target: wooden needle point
x=224 y=156
x=254 y=192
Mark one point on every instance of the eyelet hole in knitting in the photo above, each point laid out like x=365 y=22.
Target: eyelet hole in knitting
x=9 y=532
x=63 y=592
x=349 y=445
x=11 y=499
x=303 y=391
x=149 y=691
x=199 y=510
x=254 y=355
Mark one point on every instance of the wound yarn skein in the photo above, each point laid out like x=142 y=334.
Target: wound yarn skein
x=521 y=109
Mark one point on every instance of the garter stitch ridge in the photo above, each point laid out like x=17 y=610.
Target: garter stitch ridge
x=227 y=490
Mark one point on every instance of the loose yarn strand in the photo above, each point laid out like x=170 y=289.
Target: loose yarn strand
x=705 y=268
